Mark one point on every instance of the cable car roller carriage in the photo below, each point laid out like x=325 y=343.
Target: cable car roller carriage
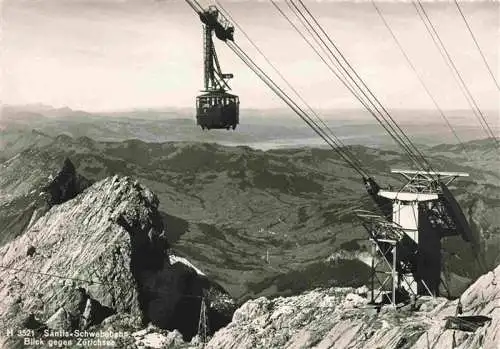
x=216 y=108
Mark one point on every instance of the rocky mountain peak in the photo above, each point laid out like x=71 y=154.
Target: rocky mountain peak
x=102 y=255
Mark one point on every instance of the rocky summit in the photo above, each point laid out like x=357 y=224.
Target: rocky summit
x=101 y=260
x=342 y=318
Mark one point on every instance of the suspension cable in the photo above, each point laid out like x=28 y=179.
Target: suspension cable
x=50 y=275
x=195 y=5
x=344 y=76
x=340 y=73
x=388 y=118
x=455 y=72
x=477 y=45
x=391 y=128
x=343 y=148
x=289 y=101
x=86 y=281
x=419 y=77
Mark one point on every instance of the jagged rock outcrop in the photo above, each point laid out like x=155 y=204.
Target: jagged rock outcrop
x=66 y=185
x=101 y=259
x=341 y=318
x=26 y=194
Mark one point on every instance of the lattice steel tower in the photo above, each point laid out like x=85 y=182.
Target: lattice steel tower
x=203 y=326
x=406 y=243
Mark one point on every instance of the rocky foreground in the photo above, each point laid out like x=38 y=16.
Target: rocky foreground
x=342 y=318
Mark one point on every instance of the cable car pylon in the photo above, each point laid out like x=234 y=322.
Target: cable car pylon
x=215 y=108
x=203 y=326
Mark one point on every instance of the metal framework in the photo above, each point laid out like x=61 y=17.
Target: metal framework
x=203 y=327
x=392 y=261
x=426 y=181
x=406 y=245
x=214 y=22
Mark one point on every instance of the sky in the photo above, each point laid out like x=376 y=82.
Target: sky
x=121 y=54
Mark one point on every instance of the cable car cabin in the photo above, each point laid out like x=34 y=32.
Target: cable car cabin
x=217 y=110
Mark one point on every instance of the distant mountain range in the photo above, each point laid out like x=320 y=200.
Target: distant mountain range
x=263 y=129
x=262 y=115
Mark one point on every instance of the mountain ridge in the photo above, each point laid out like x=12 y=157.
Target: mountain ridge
x=102 y=254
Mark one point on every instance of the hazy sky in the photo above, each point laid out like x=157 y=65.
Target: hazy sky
x=119 y=54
